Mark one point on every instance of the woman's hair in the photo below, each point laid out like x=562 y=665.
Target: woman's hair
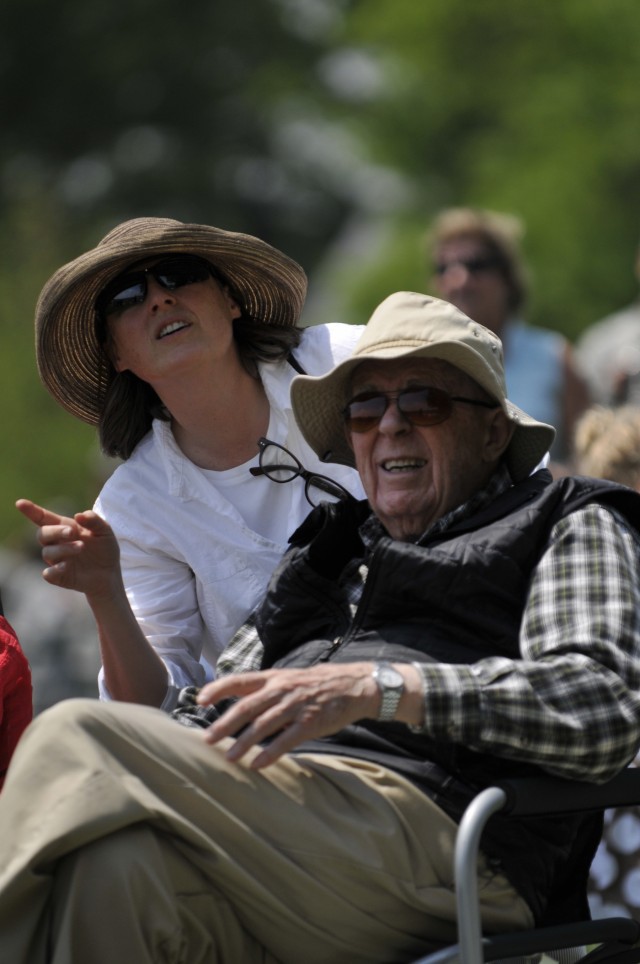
x=131 y=404
x=607 y=444
x=501 y=235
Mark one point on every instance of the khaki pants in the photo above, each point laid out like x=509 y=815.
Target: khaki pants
x=125 y=838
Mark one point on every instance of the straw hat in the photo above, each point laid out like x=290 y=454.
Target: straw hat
x=72 y=364
x=412 y=325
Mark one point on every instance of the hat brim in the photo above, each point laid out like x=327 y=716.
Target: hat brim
x=319 y=401
x=73 y=365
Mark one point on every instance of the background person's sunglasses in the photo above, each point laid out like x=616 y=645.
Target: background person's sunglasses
x=472 y=265
x=420 y=406
x=130 y=288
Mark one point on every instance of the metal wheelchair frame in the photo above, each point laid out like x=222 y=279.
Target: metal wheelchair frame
x=617 y=939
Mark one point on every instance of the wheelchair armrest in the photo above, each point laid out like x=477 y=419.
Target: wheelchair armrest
x=555 y=795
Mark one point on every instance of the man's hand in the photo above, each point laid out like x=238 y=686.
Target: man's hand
x=81 y=552
x=297 y=704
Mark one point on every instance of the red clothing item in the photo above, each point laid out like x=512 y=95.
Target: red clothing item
x=16 y=703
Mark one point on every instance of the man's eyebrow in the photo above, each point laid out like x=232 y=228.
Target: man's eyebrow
x=364 y=387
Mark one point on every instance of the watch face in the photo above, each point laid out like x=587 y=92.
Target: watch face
x=389 y=676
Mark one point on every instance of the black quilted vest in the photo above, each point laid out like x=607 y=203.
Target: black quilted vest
x=454 y=598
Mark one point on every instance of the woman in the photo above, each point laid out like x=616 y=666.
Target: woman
x=179 y=342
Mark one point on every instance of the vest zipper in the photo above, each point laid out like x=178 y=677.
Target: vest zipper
x=335 y=645
x=339 y=641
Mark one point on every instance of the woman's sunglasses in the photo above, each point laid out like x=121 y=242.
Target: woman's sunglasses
x=420 y=406
x=130 y=288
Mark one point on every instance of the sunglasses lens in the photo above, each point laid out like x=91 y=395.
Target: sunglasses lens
x=364 y=412
x=123 y=294
x=472 y=265
x=425 y=406
x=178 y=272
x=421 y=406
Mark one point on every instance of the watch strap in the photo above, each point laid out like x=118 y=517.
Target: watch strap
x=390 y=693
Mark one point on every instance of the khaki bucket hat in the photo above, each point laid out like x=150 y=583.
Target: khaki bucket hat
x=413 y=325
x=72 y=363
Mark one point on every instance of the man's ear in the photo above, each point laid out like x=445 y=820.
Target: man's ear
x=499 y=430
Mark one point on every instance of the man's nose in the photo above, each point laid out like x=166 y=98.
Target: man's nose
x=393 y=422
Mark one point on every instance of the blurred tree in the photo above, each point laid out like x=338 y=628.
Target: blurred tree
x=527 y=108
x=122 y=110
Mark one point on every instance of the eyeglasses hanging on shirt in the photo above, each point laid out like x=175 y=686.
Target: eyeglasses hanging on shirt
x=280 y=465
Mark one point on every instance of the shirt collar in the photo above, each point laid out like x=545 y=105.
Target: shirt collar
x=276 y=378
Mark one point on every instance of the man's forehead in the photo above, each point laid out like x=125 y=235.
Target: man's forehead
x=379 y=372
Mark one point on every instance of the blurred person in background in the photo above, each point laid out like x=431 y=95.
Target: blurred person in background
x=478 y=266
x=179 y=342
x=607 y=446
x=609 y=354
x=16 y=706
x=57 y=631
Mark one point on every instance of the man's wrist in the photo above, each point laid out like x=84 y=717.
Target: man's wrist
x=390 y=683
x=410 y=708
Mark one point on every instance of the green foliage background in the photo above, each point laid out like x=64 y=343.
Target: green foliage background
x=333 y=129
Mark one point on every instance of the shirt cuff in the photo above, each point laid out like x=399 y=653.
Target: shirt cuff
x=452 y=711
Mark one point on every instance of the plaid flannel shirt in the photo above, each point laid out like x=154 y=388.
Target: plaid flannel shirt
x=571 y=703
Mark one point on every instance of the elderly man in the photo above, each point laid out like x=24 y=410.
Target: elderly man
x=473 y=620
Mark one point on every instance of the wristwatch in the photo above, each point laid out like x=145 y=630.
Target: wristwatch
x=391 y=685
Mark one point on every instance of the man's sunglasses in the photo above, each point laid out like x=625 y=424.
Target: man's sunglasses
x=420 y=406
x=130 y=288
x=472 y=265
